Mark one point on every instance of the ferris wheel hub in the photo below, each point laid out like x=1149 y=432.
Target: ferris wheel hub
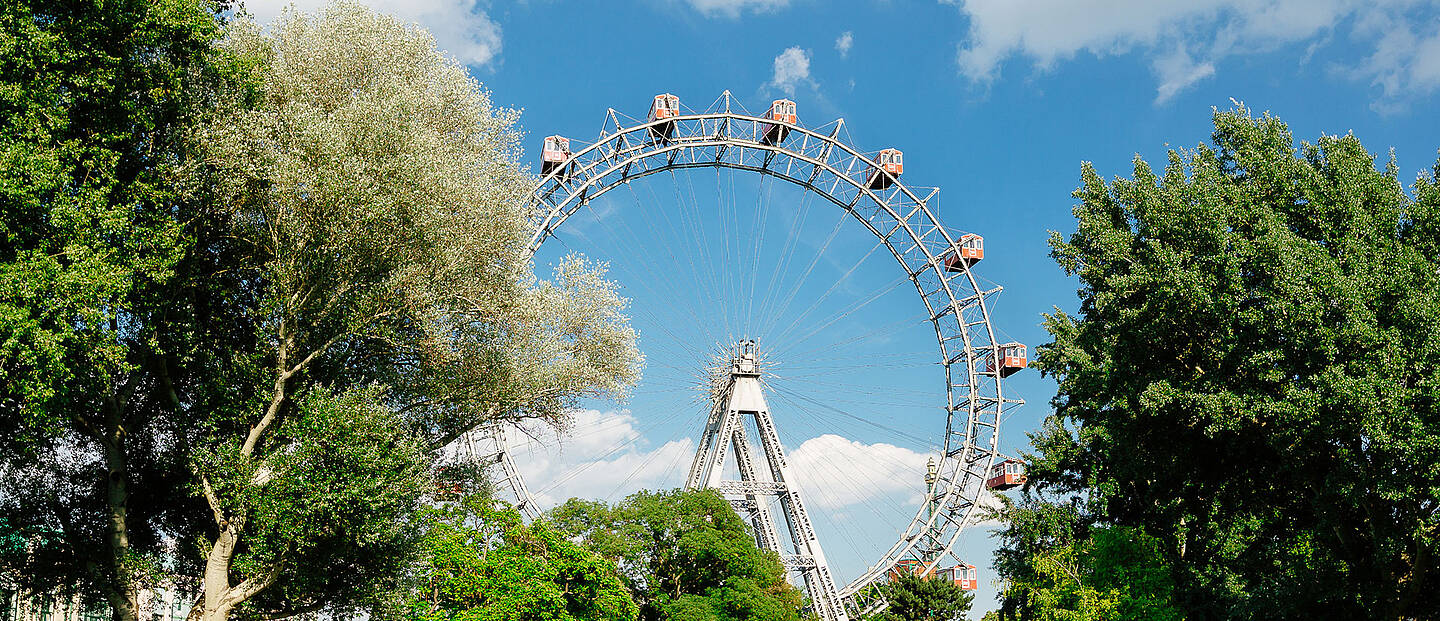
x=746 y=361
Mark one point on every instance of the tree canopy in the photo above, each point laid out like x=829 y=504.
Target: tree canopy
x=379 y=209
x=479 y=563
x=96 y=103
x=684 y=555
x=1250 y=382
x=1060 y=569
x=253 y=283
x=912 y=597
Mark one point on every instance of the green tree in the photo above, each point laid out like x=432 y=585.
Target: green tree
x=685 y=555
x=1058 y=569
x=96 y=102
x=910 y=597
x=380 y=212
x=479 y=564
x=1252 y=377
x=252 y=283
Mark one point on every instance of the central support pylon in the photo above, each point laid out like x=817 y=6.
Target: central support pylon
x=738 y=395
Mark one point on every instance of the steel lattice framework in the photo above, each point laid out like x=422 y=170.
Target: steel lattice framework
x=743 y=397
x=727 y=137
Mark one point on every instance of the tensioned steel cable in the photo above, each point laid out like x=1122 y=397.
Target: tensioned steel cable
x=816 y=426
x=776 y=281
x=804 y=277
x=920 y=320
x=847 y=311
x=833 y=287
x=763 y=193
x=821 y=404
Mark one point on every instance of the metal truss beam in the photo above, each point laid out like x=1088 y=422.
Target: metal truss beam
x=742 y=398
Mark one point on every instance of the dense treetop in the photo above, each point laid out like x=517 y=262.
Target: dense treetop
x=684 y=555
x=1251 y=379
x=252 y=283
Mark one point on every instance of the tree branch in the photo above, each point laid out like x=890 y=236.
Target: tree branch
x=252 y=587
x=213 y=500
x=315 y=354
x=271 y=412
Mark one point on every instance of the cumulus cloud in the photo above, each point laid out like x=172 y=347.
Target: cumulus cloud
x=792 y=68
x=733 y=8
x=836 y=472
x=601 y=454
x=1185 y=40
x=460 y=27
x=843 y=43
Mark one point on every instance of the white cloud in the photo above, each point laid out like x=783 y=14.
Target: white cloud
x=601 y=454
x=836 y=472
x=843 y=43
x=1406 y=59
x=986 y=505
x=733 y=8
x=1185 y=40
x=792 y=68
x=604 y=456
x=1177 y=71
x=460 y=27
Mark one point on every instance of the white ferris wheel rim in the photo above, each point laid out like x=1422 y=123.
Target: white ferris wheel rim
x=733 y=140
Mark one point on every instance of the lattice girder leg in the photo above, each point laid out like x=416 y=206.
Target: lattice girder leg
x=744 y=396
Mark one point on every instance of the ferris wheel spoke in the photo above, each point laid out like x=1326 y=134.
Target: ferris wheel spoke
x=633 y=242
x=722 y=271
x=612 y=451
x=846 y=312
x=883 y=330
x=762 y=206
x=644 y=465
x=866 y=482
x=841 y=366
x=671 y=276
x=840 y=361
x=855 y=417
x=795 y=289
x=774 y=284
x=729 y=259
x=850 y=388
x=834 y=286
x=846 y=531
x=698 y=242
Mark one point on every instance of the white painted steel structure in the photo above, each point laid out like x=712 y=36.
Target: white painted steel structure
x=488 y=447
x=740 y=397
x=725 y=136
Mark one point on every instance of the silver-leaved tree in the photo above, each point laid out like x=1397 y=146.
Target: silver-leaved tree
x=378 y=209
x=254 y=282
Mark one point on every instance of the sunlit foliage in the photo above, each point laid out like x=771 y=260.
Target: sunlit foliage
x=684 y=555
x=1251 y=380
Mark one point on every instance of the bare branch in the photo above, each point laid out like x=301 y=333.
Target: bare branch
x=271 y=412
x=252 y=587
x=213 y=500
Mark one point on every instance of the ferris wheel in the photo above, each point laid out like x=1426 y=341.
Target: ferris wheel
x=937 y=261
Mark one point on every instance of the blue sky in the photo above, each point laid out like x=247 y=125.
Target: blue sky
x=996 y=102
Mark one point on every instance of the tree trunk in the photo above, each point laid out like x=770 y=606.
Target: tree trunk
x=123 y=588
x=218 y=597
x=123 y=591
x=215 y=600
